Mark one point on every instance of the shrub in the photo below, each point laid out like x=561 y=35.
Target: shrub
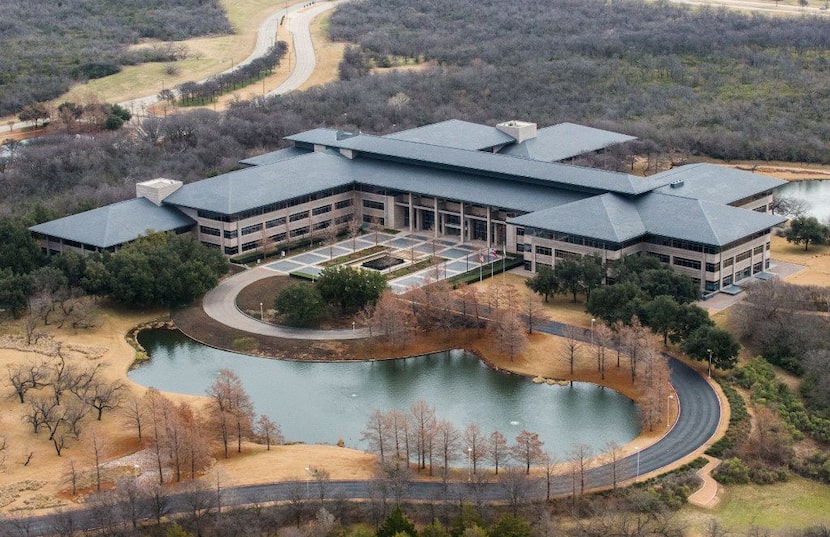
x=732 y=472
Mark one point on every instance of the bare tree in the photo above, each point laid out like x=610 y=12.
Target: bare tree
x=497 y=450
x=571 y=348
x=74 y=411
x=159 y=501
x=155 y=402
x=41 y=411
x=3 y=445
x=601 y=338
x=135 y=414
x=475 y=445
x=200 y=500
x=132 y=502
x=399 y=430
x=26 y=376
x=635 y=340
x=322 y=478
x=231 y=407
x=510 y=333
x=449 y=445
x=71 y=475
x=376 y=433
x=613 y=450
x=354 y=232
x=527 y=449
x=549 y=463
x=393 y=318
x=516 y=487
x=394 y=477
x=97 y=449
x=579 y=457
x=102 y=396
x=654 y=384
x=196 y=450
x=268 y=430
x=532 y=310
x=423 y=427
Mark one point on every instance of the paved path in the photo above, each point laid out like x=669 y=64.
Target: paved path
x=707 y=495
x=299 y=26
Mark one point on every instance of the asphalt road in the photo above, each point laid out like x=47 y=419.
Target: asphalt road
x=696 y=424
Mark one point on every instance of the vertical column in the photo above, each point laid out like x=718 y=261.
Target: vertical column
x=435 y=219
x=463 y=224
x=411 y=213
x=489 y=229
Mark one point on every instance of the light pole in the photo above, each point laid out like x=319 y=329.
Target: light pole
x=470 y=460
x=352 y=326
x=261 y=316
x=307 y=478
x=709 y=371
x=637 y=476
x=592 y=330
x=668 y=409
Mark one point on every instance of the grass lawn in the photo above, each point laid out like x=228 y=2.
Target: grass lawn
x=207 y=56
x=798 y=503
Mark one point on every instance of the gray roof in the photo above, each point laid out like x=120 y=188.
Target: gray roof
x=493 y=165
x=455 y=133
x=254 y=187
x=460 y=186
x=700 y=220
x=327 y=137
x=565 y=140
x=607 y=217
x=115 y=224
x=711 y=182
x=612 y=218
x=249 y=188
x=273 y=156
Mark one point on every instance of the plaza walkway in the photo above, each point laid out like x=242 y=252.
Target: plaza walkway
x=220 y=303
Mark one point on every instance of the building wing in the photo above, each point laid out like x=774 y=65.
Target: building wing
x=116 y=224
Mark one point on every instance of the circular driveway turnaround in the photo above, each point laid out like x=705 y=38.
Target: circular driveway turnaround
x=220 y=304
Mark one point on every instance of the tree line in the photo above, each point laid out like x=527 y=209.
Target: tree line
x=49 y=46
x=60 y=397
x=682 y=106
x=159 y=269
x=196 y=93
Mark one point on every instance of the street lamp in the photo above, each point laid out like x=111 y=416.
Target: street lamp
x=709 y=371
x=352 y=326
x=638 y=464
x=470 y=460
x=668 y=409
x=261 y=316
x=307 y=479
x=592 y=330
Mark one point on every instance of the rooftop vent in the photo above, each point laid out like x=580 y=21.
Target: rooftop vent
x=156 y=190
x=676 y=184
x=520 y=130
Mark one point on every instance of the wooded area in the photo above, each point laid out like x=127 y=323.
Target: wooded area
x=47 y=46
x=686 y=82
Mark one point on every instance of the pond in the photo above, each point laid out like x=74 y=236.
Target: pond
x=323 y=402
x=816 y=193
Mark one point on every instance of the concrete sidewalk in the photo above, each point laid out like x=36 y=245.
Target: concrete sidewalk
x=707 y=495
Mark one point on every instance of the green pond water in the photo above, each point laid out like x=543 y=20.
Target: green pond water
x=323 y=402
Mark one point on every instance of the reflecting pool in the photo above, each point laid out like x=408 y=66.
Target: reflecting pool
x=322 y=402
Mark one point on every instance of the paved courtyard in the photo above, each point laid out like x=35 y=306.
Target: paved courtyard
x=458 y=257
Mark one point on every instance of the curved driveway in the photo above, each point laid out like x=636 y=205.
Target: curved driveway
x=697 y=422
x=220 y=304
